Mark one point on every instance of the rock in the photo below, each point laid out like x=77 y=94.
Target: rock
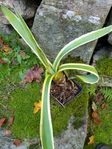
x=7 y=142
x=69 y=139
x=58 y=22
x=103 y=52
x=25 y=8
x=105 y=81
x=110 y=39
x=72 y=138
x=3 y=27
x=110 y=23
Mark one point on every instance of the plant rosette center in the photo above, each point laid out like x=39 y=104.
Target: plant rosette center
x=64 y=90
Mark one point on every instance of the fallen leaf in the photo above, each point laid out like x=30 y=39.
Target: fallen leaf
x=10 y=121
x=91 y=140
x=6 y=132
x=6 y=49
x=104 y=105
x=94 y=107
x=17 y=142
x=2 y=121
x=99 y=97
x=33 y=74
x=37 y=106
x=96 y=118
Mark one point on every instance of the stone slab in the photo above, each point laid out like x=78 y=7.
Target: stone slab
x=23 y=7
x=69 y=139
x=105 y=81
x=110 y=23
x=58 y=22
x=72 y=138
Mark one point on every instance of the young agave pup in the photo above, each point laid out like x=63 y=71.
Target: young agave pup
x=46 y=131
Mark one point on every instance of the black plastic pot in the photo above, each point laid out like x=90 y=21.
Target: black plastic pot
x=71 y=97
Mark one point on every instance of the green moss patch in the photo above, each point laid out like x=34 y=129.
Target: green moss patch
x=26 y=124
x=104 y=66
x=18 y=99
x=103 y=131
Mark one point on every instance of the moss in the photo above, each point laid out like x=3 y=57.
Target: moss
x=9 y=80
x=26 y=124
x=71 y=59
x=104 y=66
x=78 y=122
x=103 y=132
x=13 y=71
x=90 y=146
x=34 y=146
x=20 y=100
x=76 y=107
x=9 y=85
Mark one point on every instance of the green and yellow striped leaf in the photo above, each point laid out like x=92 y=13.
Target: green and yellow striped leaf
x=79 y=42
x=20 y=26
x=87 y=78
x=46 y=130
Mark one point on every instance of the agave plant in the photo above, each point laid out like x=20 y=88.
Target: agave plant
x=46 y=131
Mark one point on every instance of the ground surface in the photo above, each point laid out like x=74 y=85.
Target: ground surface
x=17 y=97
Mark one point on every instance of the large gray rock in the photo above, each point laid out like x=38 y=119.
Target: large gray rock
x=3 y=24
x=58 y=22
x=110 y=23
x=24 y=7
x=110 y=39
x=6 y=142
x=103 y=52
x=72 y=138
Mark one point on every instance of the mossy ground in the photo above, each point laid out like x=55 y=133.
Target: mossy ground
x=26 y=124
x=103 y=132
x=104 y=66
x=18 y=99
